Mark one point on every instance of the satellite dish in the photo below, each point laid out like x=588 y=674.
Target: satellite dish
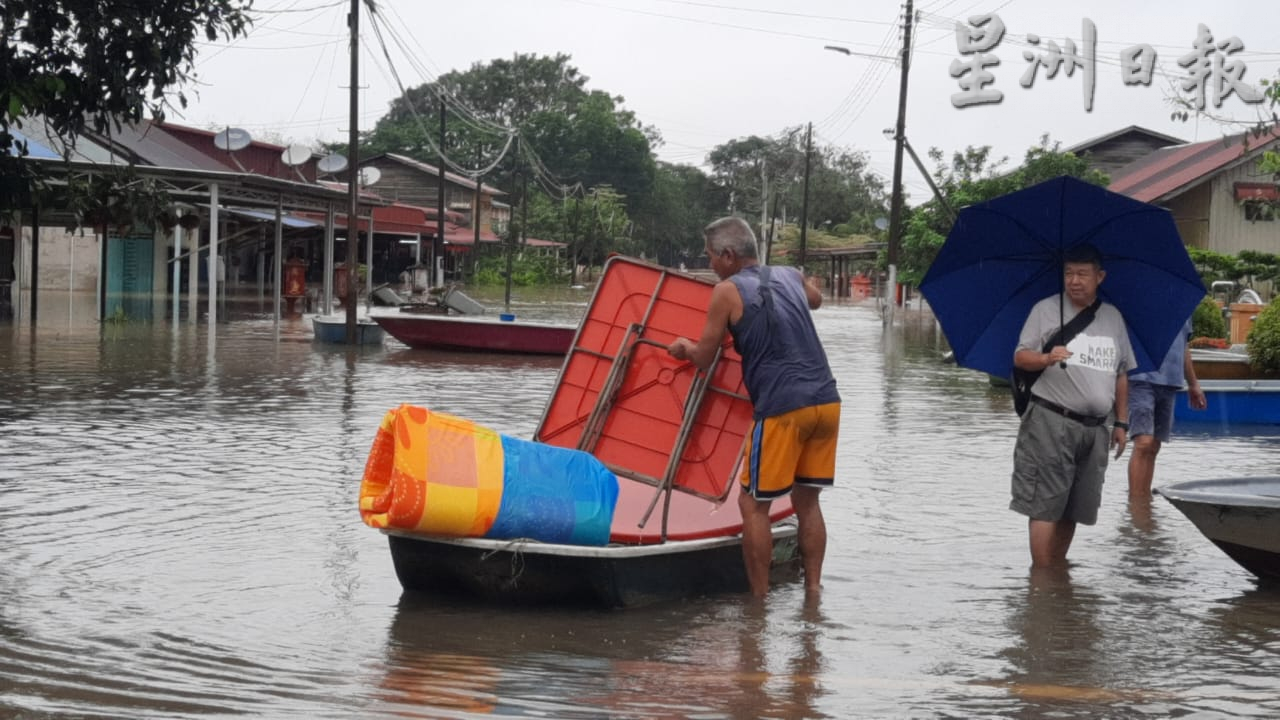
x=369 y=175
x=881 y=223
x=331 y=164
x=295 y=155
x=232 y=139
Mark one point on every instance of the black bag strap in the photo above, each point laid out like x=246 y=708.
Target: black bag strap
x=766 y=298
x=1068 y=332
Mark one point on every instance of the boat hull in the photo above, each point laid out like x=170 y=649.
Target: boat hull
x=1240 y=515
x=1233 y=402
x=334 y=330
x=443 y=332
x=1213 y=364
x=614 y=576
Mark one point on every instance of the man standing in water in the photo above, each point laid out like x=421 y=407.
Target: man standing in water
x=792 y=447
x=1060 y=459
x=1151 y=396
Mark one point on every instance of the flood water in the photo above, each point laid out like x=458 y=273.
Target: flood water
x=179 y=539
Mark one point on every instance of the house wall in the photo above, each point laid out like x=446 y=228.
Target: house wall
x=1191 y=215
x=1231 y=231
x=401 y=183
x=68 y=260
x=413 y=187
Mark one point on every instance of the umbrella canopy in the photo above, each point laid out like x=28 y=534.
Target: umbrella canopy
x=1004 y=255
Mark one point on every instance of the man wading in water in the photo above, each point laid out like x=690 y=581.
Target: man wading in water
x=1060 y=459
x=792 y=447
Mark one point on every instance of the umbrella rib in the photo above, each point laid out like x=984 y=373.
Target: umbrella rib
x=1094 y=231
x=1031 y=233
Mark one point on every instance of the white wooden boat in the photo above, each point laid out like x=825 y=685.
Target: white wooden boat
x=1240 y=515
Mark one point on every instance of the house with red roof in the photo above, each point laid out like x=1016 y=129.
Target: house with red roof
x=1219 y=198
x=1114 y=150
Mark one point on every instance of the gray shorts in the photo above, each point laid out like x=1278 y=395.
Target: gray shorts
x=1151 y=409
x=1058 y=467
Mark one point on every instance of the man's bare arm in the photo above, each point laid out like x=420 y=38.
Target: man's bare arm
x=723 y=300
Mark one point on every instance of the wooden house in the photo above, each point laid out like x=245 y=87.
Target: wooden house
x=1219 y=198
x=413 y=182
x=1114 y=150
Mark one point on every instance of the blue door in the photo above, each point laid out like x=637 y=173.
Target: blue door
x=129 y=277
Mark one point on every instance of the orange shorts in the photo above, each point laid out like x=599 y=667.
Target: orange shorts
x=795 y=448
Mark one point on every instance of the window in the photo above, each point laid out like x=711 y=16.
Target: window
x=1255 y=210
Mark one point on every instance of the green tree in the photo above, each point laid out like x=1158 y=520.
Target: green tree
x=766 y=174
x=751 y=168
x=670 y=219
x=973 y=176
x=591 y=226
x=843 y=190
x=95 y=64
x=573 y=135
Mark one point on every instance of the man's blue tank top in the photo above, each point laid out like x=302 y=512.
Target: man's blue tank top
x=784 y=365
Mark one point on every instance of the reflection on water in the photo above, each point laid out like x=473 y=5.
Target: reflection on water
x=179 y=538
x=733 y=658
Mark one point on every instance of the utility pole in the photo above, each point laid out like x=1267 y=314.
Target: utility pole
x=804 y=206
x=353 y=184
x=764 y=204
x=511 y=229
x=475 y=203
x=899 y=139
x=440 y=188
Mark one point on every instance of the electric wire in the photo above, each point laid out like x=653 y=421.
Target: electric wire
x=783 y=13
x=460 y=107
x=444 y=158
x=699 y=21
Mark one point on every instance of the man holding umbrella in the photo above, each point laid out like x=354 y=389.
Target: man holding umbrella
x=1063 y=442
x=995 y=288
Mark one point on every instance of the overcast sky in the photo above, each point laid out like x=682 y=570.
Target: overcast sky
x=707 y=71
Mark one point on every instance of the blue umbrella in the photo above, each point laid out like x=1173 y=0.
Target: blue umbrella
x=1004 y=255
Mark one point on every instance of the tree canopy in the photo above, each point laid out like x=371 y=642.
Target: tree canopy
x=92 y=64
x=594 y=181
x=78 y=64
x=765 y=176
x=573 y=135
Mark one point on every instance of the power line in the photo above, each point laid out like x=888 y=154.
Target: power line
x=783 y=33
x=469 y=114
x=775 y=12
x=334 y=4
x=444 y=158
x=314 y=69
x=858 y=93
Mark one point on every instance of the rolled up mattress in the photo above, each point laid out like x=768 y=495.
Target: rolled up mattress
x=437 y=474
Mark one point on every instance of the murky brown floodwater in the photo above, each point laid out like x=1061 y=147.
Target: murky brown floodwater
x=179 y=538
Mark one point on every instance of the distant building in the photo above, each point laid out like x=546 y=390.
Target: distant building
x=1114 y=150
x=413 y=182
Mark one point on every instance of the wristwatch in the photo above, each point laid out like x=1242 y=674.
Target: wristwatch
x=1120 y=424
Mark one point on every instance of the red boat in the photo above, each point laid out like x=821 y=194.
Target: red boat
x=481 y=334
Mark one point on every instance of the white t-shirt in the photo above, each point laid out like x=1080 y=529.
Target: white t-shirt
x=1099 y=353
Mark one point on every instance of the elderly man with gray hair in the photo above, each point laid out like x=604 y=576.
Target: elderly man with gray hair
x=792 y=446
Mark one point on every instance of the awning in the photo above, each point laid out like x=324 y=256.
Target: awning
x=34 y=149
x=409 y=220
x=287 y=220
x=1257 y=191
